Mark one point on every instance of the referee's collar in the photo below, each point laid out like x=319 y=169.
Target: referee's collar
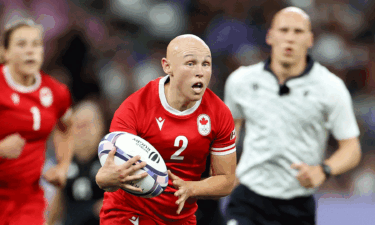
x=309 y=65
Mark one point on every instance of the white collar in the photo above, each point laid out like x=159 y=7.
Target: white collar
x=169 y=108
x=19 y=87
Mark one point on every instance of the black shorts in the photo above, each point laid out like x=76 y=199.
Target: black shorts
x=248 y=208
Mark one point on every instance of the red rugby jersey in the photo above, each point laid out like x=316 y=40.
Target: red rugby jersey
x=183 y=139
x=32 y=112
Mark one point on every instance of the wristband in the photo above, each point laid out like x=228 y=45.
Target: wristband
x=326 y=170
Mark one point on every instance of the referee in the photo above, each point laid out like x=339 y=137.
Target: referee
x=290 y=104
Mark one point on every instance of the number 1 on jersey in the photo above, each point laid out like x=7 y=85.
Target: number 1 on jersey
x=36 y=117
x=176 y=155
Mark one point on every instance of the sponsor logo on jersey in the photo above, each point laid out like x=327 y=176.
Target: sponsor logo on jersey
x=134 y=220
x=160 y=122
x=233 y=134
x=204 y=124
x=15 y=98
x=46 y=97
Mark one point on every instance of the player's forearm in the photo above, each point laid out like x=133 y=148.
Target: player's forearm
x=345 y=158
x=64 y=148
x=213 y=187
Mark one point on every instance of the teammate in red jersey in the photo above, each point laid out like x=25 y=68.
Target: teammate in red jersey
x=31 y=104
x=185 y=122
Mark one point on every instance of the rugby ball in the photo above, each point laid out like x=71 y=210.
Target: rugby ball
x=129 y=145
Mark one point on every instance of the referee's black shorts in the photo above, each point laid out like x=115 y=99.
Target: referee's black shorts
x=248 y=208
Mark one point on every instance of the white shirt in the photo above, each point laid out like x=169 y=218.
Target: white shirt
x=286 y=128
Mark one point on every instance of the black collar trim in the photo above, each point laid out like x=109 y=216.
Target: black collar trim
x=310 y=64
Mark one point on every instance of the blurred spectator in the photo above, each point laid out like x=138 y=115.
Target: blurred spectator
x=81 y=199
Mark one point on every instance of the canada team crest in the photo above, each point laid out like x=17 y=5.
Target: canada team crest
x=204 y=124
x=46 y=97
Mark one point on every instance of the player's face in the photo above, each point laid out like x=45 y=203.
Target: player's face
x=290 y=37
x=25 y=51
x=192 y=70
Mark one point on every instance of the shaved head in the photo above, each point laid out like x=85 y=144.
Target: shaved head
x=188 y=64
x=292 y=11
x=290 y=37
x=182 y=42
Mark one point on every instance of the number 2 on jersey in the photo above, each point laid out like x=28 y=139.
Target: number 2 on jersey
x=36 y=117
x=176 y=155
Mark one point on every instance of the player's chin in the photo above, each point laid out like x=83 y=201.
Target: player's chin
x=288 y=61
x=197 y=96
x=30 y=69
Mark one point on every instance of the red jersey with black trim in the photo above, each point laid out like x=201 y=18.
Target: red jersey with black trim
x=33 y=112
x=184 y=140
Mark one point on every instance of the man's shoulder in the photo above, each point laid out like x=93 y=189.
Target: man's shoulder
x=326 y=77
x=246 y=73
x=250 y=70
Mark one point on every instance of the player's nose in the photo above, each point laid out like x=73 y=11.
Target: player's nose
x=290 y=37
x=199 y=72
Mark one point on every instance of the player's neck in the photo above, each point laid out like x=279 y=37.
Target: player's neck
x=285 y=71
x=19 y=78
x=175 y=100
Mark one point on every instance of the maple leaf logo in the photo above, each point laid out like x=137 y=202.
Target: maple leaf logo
x=203 y=121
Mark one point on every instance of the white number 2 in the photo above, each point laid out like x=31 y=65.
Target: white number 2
x=36 y=117
x=176 y=155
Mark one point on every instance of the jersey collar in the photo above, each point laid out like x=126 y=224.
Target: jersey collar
x=169 y=108
x=19 y=87
x=309 y=65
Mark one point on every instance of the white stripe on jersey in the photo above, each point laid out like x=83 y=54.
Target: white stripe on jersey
x=224 y=152
x=225 y=148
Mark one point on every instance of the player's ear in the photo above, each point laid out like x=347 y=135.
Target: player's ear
x=269 y=37
x=166 y=66
x=311 y=40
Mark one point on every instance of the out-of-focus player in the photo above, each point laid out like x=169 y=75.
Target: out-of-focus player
x=185 y=122
x=290 y=104
x=31 y=105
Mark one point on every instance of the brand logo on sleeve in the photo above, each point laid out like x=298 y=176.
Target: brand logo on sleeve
x=204 y=124
x=233 y=134
x=46 y=97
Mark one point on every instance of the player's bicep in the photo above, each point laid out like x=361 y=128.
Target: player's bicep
x=223 y=164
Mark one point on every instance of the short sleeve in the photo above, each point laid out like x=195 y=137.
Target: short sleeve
x=124 y=119
x=225 y=142
x=341 y=118
x=230 y=97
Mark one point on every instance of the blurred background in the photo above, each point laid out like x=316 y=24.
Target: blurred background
x=105 y=50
